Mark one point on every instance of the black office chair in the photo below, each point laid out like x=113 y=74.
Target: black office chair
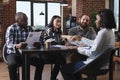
x=93 y=69
x=4 y=51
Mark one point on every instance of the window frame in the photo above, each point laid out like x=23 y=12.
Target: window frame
x=111 y=6
x=46 y=9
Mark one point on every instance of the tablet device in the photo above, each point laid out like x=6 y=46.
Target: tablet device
x=32 y=37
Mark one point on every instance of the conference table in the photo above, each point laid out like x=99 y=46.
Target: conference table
x=28 y=51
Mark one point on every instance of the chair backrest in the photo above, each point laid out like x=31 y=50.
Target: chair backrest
x=99 y=61
x=4 y=53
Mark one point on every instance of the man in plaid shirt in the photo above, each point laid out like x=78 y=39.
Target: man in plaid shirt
x=16 y=35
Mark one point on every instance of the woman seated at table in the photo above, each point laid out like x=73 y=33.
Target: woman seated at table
x=53 y=32
x=104 y=39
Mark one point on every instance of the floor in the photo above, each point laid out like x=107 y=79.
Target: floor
x=46 y=73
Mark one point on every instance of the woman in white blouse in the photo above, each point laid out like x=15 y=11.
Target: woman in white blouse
x=105 y=38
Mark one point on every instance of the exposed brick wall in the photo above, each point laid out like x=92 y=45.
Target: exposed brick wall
x=87 y=6
x=79 y=10
x=8 y=13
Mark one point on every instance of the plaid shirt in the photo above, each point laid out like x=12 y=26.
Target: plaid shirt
x=52 y=34
x=15 y=35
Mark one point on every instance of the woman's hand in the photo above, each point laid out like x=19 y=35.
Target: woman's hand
x=72 y=47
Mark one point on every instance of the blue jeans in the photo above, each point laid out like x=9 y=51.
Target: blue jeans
x=68 y=69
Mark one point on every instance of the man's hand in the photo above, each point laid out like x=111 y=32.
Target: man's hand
x=76 y=38
x=66 y=37
x=21 y=45
x=37 y=44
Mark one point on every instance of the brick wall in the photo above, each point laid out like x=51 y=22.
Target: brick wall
x=87 y=6
x=7 y=17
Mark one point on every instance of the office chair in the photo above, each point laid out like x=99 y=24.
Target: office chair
x=4 y=58
x=93 y=69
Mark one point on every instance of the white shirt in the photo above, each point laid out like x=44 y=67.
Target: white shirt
x=105 y=38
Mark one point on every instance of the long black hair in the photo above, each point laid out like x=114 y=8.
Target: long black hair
x=50 y=25
x=107 y=18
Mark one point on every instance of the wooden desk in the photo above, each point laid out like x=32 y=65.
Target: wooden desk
x=27 y=52
x=117 y=56
x=117 y=44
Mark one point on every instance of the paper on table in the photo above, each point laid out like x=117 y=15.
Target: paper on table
x=50 y=40
x=59 y=46
x=32 y=37
x=77 y=43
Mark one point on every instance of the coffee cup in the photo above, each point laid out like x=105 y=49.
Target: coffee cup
x=47 y=45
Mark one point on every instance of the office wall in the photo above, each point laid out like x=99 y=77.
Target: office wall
x=7 y=17
x=87 y=6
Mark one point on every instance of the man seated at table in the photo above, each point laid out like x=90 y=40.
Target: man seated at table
x=83 y=29
x=16 y=35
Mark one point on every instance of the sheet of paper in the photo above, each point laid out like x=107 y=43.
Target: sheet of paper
x=77 y=43
x=32 y=37
x=59 y=46
x=50 y=40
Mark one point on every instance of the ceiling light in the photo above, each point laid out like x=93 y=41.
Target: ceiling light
x=41 y=13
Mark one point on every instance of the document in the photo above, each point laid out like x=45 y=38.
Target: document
x=32 y=37
x=50 y=40
x=77 y=43
x=59 y=46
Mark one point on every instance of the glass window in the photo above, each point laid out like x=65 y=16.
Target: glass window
x=116 y=12
x=24 y=6
x=53 y=9
x=34 y=17
x=39 y=20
